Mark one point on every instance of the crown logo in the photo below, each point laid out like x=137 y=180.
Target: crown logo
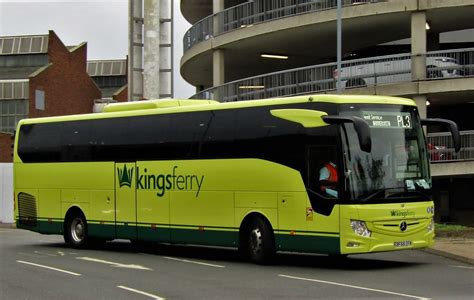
x=125 y=176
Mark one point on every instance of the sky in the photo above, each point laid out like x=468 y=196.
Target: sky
x=103 y=24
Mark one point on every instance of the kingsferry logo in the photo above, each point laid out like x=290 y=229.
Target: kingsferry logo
x=161 y=182
x=401 y=213
x=125 y=176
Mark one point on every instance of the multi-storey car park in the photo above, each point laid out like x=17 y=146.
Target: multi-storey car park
x=242 y=50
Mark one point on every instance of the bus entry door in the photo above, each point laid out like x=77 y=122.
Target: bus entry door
x=125 y=201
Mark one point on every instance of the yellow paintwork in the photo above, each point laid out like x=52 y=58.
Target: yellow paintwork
x=306 y=117
x=49 y=202
x=125 y=198
x=153 y=104
x=256 y=199
x=210 y=193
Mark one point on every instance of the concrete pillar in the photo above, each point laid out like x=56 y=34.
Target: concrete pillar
x=166 y=49
x=218 y=54
x=135 y=50
x=151 y=72
x=418 y=45
x=217 y=69
x=217 y=6
x=420 y=101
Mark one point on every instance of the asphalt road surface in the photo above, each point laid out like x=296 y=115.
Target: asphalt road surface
x=34 y=266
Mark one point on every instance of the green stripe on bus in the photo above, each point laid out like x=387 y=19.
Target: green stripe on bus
x=302 y=243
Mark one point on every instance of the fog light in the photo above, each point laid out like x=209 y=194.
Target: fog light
x=360 y=228
x=352 y=244
x=430 y=227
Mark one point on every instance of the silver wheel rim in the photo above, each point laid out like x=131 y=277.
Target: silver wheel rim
x=77 y=230
x=256 y=241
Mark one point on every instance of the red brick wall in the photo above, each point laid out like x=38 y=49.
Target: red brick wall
x=5 y=148
x=68 y=89
x=122 y=95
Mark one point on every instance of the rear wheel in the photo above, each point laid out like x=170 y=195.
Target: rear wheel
x=259 y=242
x=431 y=72
x=356 y=83
x=75 y=230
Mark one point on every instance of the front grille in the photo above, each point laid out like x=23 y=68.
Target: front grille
x=393 y=226
x=27 y=212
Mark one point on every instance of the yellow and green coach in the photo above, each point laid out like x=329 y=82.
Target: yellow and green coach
x=243 y=174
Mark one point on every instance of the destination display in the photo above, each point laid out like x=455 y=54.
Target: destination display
x=384 y=119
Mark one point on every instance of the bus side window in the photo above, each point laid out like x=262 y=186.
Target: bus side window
x=218 y=140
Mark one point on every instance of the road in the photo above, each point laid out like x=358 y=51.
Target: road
x=35 y=266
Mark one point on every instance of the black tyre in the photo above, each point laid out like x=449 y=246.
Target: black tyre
x=431 y=72
x=75 y=230
x=356 y=83
x=259 y=242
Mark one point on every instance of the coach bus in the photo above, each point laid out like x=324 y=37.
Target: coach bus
x=243 y=174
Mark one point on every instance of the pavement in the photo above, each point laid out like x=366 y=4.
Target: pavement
x=456 y=248
x=460 y=249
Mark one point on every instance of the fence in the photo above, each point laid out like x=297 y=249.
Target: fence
x=354 y=73
x=440 y=146
x=6 y=193
x=257 y=11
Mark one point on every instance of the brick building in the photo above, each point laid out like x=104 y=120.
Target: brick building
x=111 y=77
x=41 y=77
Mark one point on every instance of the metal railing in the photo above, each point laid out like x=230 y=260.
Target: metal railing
x=440 y=146
x=354 y=73
x=199 y=32
x=254 y=12
x=463 y=60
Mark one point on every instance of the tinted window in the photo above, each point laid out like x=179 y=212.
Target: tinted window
x=237 y=133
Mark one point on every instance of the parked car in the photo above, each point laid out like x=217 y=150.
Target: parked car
x=394 y=69
x=438 y=152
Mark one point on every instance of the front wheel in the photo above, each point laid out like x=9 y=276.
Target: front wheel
x=75 y=230
x=260 y=242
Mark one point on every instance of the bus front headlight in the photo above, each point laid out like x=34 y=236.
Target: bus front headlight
x=360 y=228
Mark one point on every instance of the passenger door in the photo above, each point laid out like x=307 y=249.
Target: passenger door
x=125 y=201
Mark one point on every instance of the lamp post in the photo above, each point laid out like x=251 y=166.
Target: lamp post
x=339 y=46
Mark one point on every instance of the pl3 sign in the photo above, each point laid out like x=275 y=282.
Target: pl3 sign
x=378 y=119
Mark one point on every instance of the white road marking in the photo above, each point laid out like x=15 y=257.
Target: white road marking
x=61 y=253
x=140 y=292
x=463 y=267
x=194 y=262
x=50 y=268
x=114 y=264
x=354 y=287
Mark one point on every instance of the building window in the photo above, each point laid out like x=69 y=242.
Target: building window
x=11 y=112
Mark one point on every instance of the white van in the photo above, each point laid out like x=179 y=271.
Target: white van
x=394 y=69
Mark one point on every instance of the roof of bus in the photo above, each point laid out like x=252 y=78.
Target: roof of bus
x=150 y=107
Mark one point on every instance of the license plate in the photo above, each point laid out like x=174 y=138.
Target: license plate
x=402 y=244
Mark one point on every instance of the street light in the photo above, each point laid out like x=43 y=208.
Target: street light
x=339 y=45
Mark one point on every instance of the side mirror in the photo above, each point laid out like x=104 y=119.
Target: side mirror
x=315 y=118
x=306 y=117
x=453 y=127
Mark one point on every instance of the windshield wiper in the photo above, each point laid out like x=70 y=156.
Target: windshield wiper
x=409 y=195
x=385 y=194
x=377 y=193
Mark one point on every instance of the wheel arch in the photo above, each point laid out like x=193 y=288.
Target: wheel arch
x=246 y=221
x=72 y=210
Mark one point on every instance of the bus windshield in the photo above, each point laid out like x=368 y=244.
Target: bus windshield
x=396 y=169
